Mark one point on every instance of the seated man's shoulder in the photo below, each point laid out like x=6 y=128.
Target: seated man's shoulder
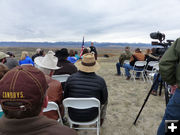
x=64 y=130
x=101 y=79
x=55 y=128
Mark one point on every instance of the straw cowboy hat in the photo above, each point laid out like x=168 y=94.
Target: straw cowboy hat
x=88 y=63
x=49 y=61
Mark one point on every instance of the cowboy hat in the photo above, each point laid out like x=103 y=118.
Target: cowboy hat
x=88 y=63
x=62 y=53
x=3 y=55
x=49 y=61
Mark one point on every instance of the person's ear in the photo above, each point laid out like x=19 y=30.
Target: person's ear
x=51 y=73
x=45 y=102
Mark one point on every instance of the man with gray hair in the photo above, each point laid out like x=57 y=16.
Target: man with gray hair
x=48 y=64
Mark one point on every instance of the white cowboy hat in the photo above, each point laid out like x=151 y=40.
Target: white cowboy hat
x=49 y=61
x=88 y=63
x=3 y=55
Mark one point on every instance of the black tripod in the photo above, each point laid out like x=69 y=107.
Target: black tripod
x=166 y=97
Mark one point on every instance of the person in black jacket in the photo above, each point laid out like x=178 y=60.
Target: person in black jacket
x=85 y=83
x=93 y=50
x=66 y=66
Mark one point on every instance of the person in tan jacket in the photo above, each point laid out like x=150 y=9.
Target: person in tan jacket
x=47 y=65
x=137 y=56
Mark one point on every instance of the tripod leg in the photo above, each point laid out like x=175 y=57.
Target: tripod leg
x=146 y=99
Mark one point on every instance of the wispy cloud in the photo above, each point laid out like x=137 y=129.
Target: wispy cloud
x=114 y=21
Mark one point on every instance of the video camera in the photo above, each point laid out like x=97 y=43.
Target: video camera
x=161 y=37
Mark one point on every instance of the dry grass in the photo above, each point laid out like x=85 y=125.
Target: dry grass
x=125 y=100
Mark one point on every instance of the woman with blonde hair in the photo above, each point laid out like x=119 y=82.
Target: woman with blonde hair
x=25 y=59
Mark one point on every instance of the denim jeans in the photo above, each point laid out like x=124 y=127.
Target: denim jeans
x=156 y=83
x=118 y=66
x=128 y=67
x=172 y=111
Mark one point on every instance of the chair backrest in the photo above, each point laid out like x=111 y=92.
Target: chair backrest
x=140 y=64
x=81 y=103
x=150 y=65
x=61 y=78
x=26 y=64
x=156 y=67
x=53 y=106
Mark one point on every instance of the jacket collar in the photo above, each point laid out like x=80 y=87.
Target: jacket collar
x=24 y=125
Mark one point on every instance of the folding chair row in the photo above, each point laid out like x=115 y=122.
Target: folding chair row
x=77 y=103
x=147 y=71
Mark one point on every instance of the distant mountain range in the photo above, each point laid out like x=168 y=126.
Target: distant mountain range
x=71 y=44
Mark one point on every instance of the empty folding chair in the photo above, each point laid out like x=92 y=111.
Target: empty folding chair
x=149 y=70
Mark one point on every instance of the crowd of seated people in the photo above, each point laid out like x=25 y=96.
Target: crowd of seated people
x=50 y=64
x=150 y=55
x=82 y=72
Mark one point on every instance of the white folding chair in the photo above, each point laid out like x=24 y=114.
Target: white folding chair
x=61 y=78
x=149 y=72
x=53 y=106
x=155 y=70
x=141 y=65
x=83 y=103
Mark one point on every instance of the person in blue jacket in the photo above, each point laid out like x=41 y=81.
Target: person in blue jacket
x=25 y=59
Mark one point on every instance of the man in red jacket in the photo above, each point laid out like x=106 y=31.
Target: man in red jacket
x=23 y=97
x=48 y=64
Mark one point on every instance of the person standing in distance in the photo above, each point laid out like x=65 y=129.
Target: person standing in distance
x=93 y=50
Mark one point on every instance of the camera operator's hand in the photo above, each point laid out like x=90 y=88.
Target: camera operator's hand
x=173 y=88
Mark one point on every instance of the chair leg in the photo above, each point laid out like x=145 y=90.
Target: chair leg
x=70 y=125
x=98 y=127
x=134 y=75
x=143 y=76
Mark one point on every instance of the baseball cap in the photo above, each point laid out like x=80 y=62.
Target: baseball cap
x=25 y=84
x=3 y=55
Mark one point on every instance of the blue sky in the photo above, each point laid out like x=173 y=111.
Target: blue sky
x=97 y=20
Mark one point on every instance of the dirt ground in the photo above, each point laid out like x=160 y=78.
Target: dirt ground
x=125 y=100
